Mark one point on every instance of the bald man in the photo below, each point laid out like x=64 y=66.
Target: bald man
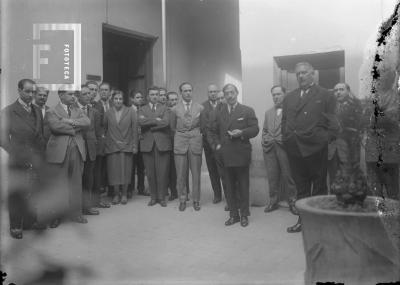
x=308 y=116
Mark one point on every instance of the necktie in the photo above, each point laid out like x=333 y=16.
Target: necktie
x=84 y=109
x=187 y=107
x=69 y=111
x=153 y=108
x=27 y=108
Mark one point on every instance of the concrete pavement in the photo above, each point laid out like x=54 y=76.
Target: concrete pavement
x=137 y=244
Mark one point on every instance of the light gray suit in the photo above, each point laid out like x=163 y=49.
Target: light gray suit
x=66 y=150
x=188 y=147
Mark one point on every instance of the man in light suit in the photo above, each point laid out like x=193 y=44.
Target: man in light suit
x=308 y=125
x=155 y=145
x=91 y=195
x=66 y=149
x=188 y=144
x=230 y=131
x=275 y=157
x=214 y=162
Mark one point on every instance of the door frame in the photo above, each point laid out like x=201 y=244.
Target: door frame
x=148 y=39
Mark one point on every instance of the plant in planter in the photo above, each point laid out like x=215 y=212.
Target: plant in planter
x=350 y=189
x=351 y=237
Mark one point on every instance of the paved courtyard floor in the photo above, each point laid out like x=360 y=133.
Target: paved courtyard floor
x=137 y=244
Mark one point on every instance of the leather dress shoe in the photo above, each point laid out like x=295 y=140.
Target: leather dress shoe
x=182 y=206
x=79 y=219
x=124 y=200
x=116 y=200
x=244 y=221
x=55 y=223
x=271 y=208
x=163 y=203
x=144 y=193
x=232 y=220
x=90 y=211
x=216 y=200
x=103 y=205
x=129 y=194
x=196 y=206
x=16 y=233
x=226 y=208
x=152 y=202
x=294 y=229
x=39 y=226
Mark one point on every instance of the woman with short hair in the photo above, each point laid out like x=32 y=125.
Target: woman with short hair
x=120 y=125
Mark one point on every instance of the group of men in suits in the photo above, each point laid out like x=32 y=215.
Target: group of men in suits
x=172 y=136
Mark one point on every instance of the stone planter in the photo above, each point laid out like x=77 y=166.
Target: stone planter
x=349 y=247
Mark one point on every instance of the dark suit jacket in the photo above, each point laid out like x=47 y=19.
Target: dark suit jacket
x=122 y=135
x=101 y=139
x=207 y=115
x=154 y=131
x=348 y=140
x=21 y=136
x=235 y=151
x=93 y=134
x=62 y=132
x=308 y=123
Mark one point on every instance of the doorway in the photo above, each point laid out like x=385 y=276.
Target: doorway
x=127 y=59
x=329 y=68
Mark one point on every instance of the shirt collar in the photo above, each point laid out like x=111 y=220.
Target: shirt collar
x=64 y=106
x=81 y=106
x=186 y=103
x=308 y=88
x=230 y=107
x=214 y=105
x=151 y=105
x=23 y=103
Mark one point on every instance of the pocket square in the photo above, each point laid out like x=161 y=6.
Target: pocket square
x=142 y=117
x=240 y=119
